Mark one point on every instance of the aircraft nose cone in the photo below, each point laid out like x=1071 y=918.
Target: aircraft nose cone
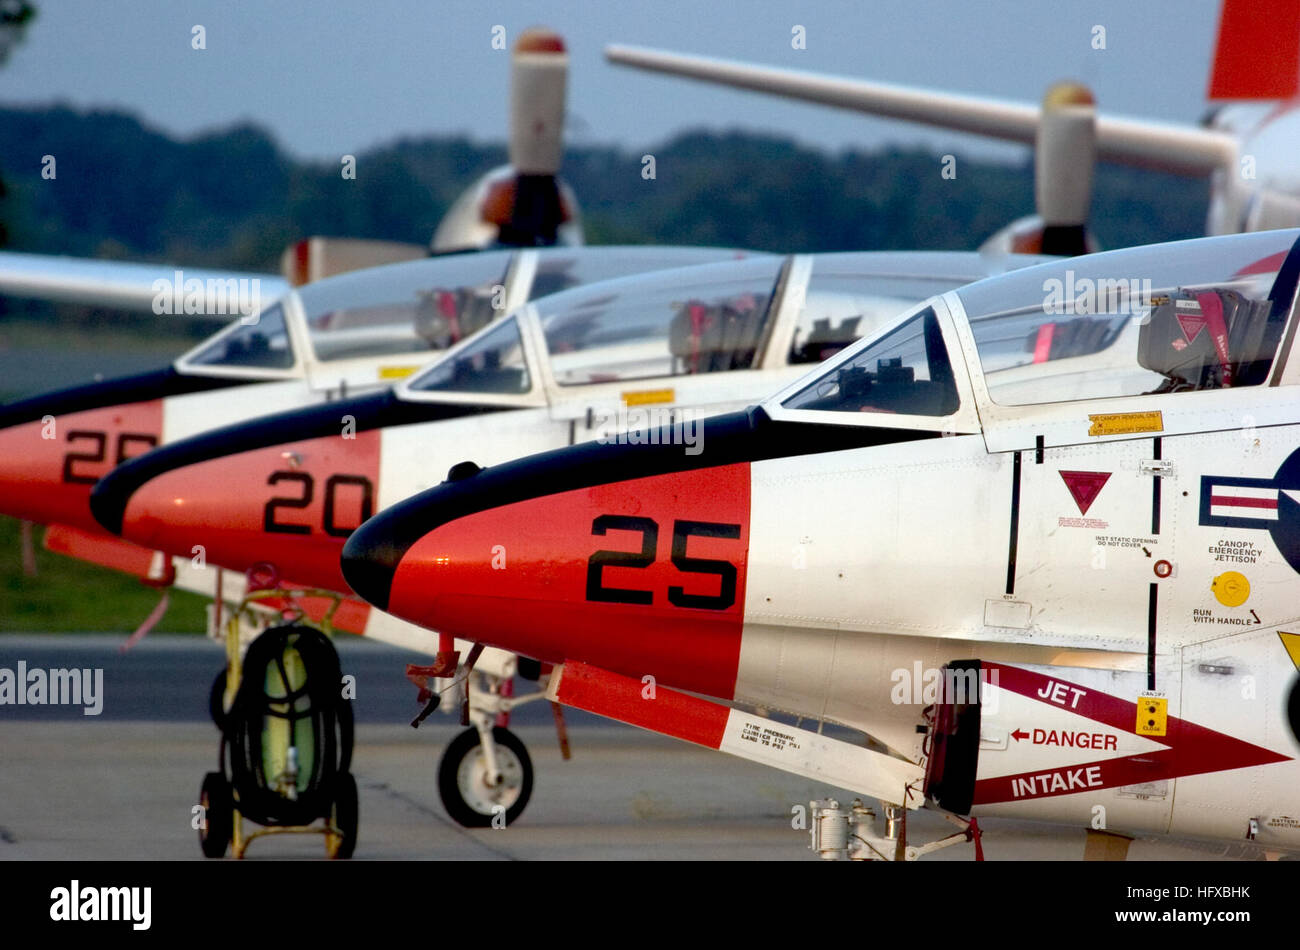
x=125 y=488
x=54 y=448
x=28 y=464
x=108 y=504
x=372 y=553
x=575 y=554
x=285 y=489
x=370 y=557
x=108 y=508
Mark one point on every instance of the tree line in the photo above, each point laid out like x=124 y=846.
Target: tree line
x=235 y=198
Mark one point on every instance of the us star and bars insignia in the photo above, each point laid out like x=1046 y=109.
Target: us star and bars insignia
x=1262 y=504
x=1238 y=502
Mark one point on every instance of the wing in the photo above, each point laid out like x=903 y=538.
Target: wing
x=120 y=284
x=1181 y=149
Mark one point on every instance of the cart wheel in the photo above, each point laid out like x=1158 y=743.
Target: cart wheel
x=218 y=815
x=462 y=779
x=217 y=701
x=343 y=816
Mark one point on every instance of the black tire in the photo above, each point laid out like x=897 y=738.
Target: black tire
x=1293 y=709
x=458 y=765
x=345 y=816
x=217 y=701
x=218 y=815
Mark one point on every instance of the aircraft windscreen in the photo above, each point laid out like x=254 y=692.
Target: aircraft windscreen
x=263 y=344
x=842 y=303
x=702 y=320
x=1206 y=318
x=493 y=363
x=905 y=371
x=405 y=308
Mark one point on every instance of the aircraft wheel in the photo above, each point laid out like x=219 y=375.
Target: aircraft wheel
x=218 y=815
x=344 y=815
x=1293 y=708
x=462 y=779
x=217 y=701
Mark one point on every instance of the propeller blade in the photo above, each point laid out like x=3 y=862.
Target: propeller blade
x=1065 y=155
x=537 y=88
x=539 y=76
x=522 y=204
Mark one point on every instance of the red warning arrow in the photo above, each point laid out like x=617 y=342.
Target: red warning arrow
x=1085 y=487
x=1190 y=749
x=1019 y=734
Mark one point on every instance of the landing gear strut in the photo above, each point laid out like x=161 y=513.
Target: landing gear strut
x=485 y=776
x=840 y=833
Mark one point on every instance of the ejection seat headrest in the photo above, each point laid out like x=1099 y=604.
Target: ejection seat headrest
x=1194 y=338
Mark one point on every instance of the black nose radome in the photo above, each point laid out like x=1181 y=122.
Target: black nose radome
x=370 y=558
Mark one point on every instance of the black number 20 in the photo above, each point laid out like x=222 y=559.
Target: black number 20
x=330 y=520
x=682 y=532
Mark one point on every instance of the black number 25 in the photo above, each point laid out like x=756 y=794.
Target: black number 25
x=682 y=532
x=76 y=476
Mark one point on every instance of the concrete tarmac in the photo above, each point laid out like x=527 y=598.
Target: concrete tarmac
x=122 y=785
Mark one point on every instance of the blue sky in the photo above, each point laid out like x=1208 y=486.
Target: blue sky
x=334 y=79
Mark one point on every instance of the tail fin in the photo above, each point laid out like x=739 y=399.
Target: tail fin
x=1258 y=53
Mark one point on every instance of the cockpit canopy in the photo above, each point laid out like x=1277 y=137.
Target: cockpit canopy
x=705 y=320
x=1180 y=317
x=750 y=314
x=1193 y=315
x=493 y=362
x=415 y=307
x=257 y=342
x=407 y=309
x=905 y=370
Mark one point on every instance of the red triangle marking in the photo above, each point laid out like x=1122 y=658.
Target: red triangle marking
x=1085 y=487
x=1192 y=324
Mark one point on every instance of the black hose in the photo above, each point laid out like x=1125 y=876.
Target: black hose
x=318 y=702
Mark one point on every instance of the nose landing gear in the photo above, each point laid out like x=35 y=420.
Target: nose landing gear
x=485 y=776
x=488 y=783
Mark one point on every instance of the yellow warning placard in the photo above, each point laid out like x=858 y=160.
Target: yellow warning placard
x=1124 y=423
x=396 y=372
x=1152 y=715
x=649 y=397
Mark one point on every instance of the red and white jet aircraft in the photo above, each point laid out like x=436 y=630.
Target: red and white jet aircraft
x=358 y=332
x=1039 y=539
x=606 y=362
